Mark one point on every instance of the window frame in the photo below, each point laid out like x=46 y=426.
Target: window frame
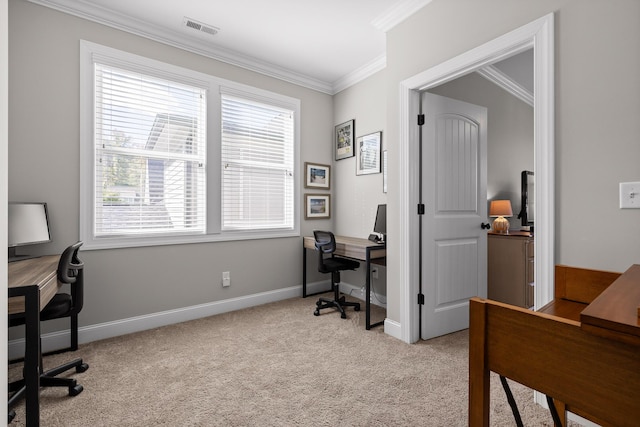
x=91 y=53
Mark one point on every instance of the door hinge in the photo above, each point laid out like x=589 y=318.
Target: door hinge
x=421 y=299
x=421 y=209
x=420 y=119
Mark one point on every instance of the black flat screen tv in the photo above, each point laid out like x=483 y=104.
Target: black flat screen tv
x=527 y=200
x=381 y=222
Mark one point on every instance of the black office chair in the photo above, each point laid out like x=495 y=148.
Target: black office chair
x=326 y=245
x=70 y=270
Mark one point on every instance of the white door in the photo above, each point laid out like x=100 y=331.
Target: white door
x=454 y=189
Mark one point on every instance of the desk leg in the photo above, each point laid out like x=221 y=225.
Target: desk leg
x=368 y=323
x=304 y=276
x=304 y=271
x=368 y=291
x=32 y=360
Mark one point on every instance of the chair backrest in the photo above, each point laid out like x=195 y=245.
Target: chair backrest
x=325 y=244
x=69 y=264
x=325 y=241
x=71 y=270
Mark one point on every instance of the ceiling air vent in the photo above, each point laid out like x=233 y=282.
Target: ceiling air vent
x=199 y=26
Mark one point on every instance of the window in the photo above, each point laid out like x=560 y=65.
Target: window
x=150 y=145
x=169 y=155
x=257 y=165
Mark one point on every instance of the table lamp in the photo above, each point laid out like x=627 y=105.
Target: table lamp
x=499 y=209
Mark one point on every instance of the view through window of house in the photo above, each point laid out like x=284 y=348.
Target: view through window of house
x=257 y=165
x=171 y=155
x=150 y=138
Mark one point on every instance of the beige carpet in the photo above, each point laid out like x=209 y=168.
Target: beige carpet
x=273 y=365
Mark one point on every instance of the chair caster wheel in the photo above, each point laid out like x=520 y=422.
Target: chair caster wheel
x=76 y=390
x=316 y=312
x=356 y=308
x=12 y=415
x=344 y=316
x=82 y=368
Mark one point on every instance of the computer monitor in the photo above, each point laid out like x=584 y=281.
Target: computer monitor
x=28 y=224
x=381 y=222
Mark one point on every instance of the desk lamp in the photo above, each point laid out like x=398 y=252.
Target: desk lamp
x=499 y=209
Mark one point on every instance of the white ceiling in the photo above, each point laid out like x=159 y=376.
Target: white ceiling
x=326 y=45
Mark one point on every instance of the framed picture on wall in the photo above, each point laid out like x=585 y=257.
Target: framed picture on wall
x=368 y=153
x=317 y=176
x=384 y=171
x=317 y=206
x=344 y=140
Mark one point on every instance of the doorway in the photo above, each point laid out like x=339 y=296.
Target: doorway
x=539 y=36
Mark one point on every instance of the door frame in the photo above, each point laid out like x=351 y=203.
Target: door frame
x=538 y=34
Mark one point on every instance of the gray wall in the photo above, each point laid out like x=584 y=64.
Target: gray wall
x=358 y=196
x=44 y=166
x=509 y=135
x=597 y=81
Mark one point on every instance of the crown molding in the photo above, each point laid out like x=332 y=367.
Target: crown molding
x=104 y=16
x=91 y=12
x=499 y=78
x=398 y=13
x=360 y=74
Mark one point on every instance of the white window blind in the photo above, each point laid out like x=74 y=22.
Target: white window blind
x=150 y=154
x=257 y=165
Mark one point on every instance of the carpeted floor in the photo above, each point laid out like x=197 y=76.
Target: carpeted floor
x=273 y=365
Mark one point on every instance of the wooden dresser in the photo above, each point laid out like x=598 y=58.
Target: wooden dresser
x=511 y=268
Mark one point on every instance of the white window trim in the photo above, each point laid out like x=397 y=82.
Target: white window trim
x=214 y=85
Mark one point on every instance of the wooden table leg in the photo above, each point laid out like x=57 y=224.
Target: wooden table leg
x=479 y=379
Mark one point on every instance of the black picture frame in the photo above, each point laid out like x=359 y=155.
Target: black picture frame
x=344 y=139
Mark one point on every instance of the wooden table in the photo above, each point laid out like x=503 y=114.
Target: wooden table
x=590 y=368
x=32 y=283
x=355 y=248
x=614 y=313
x=41 y=271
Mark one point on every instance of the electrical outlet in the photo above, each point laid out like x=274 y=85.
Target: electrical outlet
x=630 y=195
x=226 y=279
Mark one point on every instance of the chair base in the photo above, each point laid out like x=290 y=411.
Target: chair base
x=337 y=302
x=49 y=379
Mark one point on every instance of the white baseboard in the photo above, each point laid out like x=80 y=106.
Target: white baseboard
x=86 y=334
x=578 y=419
x=541 y=400
x=393 y=328
x=355 y=291
x=100 y=331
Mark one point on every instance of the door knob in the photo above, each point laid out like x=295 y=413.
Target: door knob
x=484 y=225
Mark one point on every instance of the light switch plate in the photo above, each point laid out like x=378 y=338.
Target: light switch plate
x=226 y=279
x=630 y=195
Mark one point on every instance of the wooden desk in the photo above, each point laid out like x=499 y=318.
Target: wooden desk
x=614 y=313
x=350 y=247
x=32 y=283
x=587 y=369
x=42 y=271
